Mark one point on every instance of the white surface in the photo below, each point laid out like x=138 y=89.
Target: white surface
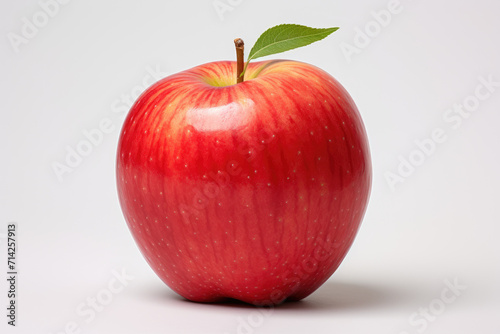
x=441 y=224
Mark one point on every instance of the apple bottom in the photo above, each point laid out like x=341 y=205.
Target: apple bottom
x=260 y=246
x=292 y=282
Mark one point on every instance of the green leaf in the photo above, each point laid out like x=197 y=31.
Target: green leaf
x=286 y=37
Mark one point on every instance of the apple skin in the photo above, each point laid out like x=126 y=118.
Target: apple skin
x=252 y=191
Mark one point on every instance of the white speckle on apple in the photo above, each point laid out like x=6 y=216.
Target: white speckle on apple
x=298 y=152
x=269 y=184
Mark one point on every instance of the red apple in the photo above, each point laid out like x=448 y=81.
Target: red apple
x=252 y=191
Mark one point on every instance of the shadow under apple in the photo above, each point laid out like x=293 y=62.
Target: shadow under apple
x=332 y=295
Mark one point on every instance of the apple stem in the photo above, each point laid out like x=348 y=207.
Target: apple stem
x=240 y=62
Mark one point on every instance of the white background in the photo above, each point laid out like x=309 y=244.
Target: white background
x=440 y=224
